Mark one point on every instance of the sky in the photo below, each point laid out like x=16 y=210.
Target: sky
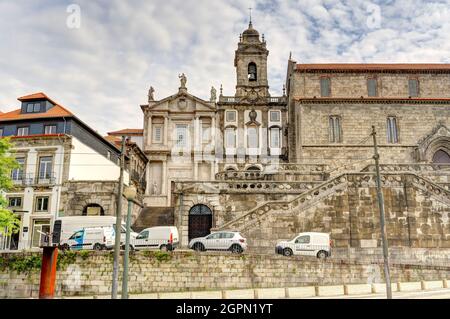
x=99 y=58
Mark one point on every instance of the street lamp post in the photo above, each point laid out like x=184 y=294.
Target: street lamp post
x=130 y=193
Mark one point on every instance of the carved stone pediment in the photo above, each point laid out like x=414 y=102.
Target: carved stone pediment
x=439 y=138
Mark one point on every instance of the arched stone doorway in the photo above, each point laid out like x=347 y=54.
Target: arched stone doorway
x=93 y=210
x=441 y=157
x=200 y=221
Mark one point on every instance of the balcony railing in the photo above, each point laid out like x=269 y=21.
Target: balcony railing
x=233 y=99
x=34 y=179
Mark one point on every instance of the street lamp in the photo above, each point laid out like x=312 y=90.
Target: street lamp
x=130 y=193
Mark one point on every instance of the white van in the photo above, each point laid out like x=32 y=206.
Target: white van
x=96 y=238
x=306 y=244
x=66 y=226
x=162 y=237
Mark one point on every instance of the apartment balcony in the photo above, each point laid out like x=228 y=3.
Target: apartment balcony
x=26 y=180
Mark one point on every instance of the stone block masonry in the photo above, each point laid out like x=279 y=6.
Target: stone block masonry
x=189 y=271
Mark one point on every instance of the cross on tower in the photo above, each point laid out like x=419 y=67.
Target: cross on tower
x=250 y=10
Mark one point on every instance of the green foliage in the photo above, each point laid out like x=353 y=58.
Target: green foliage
x=66 y=258
x=20 y=263
x=9 y=222
x=159 y=255
x=84 y=254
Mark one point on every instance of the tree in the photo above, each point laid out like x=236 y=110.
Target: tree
x=9 y=222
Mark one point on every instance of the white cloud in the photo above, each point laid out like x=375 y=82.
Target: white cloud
x=102 y=71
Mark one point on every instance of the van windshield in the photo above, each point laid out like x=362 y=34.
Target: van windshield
x=124 y=229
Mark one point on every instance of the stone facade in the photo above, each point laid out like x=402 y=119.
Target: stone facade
x=302 y=161
x=197 y=272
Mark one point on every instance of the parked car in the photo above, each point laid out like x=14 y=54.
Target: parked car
x=96 y=238
x=224 y=240
x=306 y=244
x=64 y=227
x=163 y=237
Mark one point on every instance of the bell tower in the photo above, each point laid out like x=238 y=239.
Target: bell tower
x=251 y=65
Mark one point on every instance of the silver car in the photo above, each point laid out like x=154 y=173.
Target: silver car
x=224 y=240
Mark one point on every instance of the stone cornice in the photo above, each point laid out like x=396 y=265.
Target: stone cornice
x=326 y=100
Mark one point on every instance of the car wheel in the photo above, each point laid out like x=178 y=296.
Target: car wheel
x=199 y=247
x=287 y=252
x=236 y=249
x=98 y=247
x=322 y=254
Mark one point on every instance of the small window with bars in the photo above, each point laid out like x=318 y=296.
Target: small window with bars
x=392 y=130
x=181 y=137
x=372 y=87
x=413 y=87
x=157 y=134
x=325 y=87
x=335 y=129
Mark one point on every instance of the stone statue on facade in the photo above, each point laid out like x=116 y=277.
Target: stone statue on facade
x=213 y=94
x=151 y=93
x=155 y=188
x=183 y=80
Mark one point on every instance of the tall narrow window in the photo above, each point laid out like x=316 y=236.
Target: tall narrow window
x=45 y=167
x=17 y=173
x=230 y=116
x=230 y=137
x=157 y=134
x=252 y=137
x=372 y=87
x=275 y=137
x=335 y=129
x=23 y=131
x=392 y=131
x=37 y=107
x=206 y=133
x=325 y=87
x=181 y=131
x=413 y=87
x=252 y=72
x=49 y=129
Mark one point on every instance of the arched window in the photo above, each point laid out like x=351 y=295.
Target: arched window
x=254 y=168
x=441 y=157
x=252 y=72
x=93 y=210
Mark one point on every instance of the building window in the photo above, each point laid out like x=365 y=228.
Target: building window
x=157 y=134
x=252 y=137
x=33 y=107
x=372 y=87
x=230 y=137
x=325 y=87
x=23 y=131
x=230 y=116
x=17 y=173
x=93 y=210
x=275 y=116
x=39 y=227
x=181 y=131
x=275 y=137
x=441 y=157
x=392 y=131
x=45 y=167
x=49 y=129
x=42 y=203
x=413 y=87
x=252 y=72
x=335 y=129
x=15 y=202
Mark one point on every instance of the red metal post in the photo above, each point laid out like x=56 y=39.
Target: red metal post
x=48 y=273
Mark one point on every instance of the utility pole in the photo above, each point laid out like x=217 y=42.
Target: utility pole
x=387 y=275
x=118 y=230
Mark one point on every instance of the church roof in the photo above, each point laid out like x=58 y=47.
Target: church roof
x=376 y=67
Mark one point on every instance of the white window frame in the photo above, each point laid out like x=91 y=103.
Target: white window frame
x=20 y=131
x=15 y=197
x=52 y=129
x=181 y=128
x=278 y=114
x=278 y=134
x=227 y=130
x=17 y=174
x=256 y=135
x=48 y=168
x=206 y=133
x=39 y=206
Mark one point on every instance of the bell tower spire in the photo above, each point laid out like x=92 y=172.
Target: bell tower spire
x=251 y=64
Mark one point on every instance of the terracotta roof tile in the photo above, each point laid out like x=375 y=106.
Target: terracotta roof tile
x=36 y=96
x=374 y=67
x=55 y=111
x=132 y=131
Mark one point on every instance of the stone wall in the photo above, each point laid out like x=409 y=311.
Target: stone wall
x=186 y=271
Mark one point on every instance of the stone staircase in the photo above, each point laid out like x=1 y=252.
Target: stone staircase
x=330 y=187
